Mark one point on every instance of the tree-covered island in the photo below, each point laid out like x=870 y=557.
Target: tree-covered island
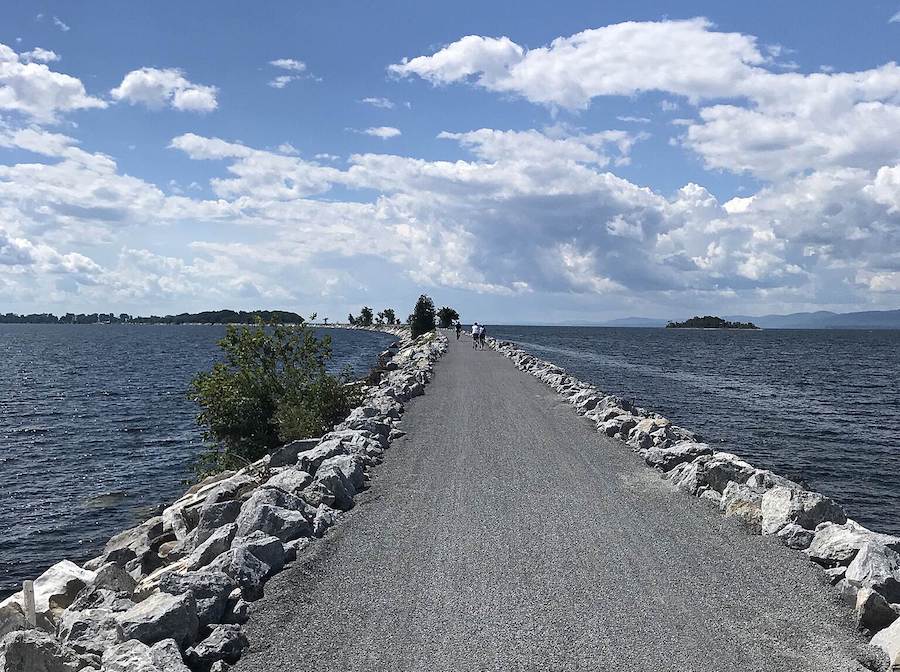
x=710 y=322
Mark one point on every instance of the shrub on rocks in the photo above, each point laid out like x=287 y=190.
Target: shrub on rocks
x=272 y=388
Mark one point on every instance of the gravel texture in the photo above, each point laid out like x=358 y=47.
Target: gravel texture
x=504 y=533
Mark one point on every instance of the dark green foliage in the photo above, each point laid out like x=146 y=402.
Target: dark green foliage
x=272 y=388
x=447 y=316
x=422 y=319
x=350 y=319
x=366 y=316
x=387 y=316
x=710 y=322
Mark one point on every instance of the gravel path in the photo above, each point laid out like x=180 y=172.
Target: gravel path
x=504 y=533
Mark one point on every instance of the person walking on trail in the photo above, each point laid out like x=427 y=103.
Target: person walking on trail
x=482 y=335
x=475 y=331
x=458 y=329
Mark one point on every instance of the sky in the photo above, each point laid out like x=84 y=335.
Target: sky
x=521 y=161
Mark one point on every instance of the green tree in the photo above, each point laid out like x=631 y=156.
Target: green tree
x=422 y=318
x=365 y=317
x=446 y=316
x=387 y=316
x=271 y=388
x=350 y=319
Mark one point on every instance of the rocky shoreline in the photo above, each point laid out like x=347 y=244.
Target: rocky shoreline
x=862 y=565
x=171 y=594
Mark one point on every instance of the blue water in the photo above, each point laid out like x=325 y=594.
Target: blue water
x=96 y=429
x=821 y=406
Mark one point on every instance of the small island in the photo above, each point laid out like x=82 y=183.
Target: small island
x=710 y=322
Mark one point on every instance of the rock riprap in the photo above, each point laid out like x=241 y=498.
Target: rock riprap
x=170 y=594
x=864 y=565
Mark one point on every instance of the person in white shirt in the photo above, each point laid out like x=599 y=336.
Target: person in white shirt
x=476 y=329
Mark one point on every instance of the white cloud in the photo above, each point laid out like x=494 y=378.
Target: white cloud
x=634 y=120
x=289 y=64
x=33 y=89
x=764 y=121
x=297 y=69
x=39 y=55
x=157 y=88
x=383 y=103
x=61 y=25
x=895 y=18
x=383 y=132
x=536 y=147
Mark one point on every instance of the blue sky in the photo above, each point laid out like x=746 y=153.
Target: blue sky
x=723 y=157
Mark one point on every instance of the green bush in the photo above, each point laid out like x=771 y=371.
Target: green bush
x=422 y=319
x=272 y=388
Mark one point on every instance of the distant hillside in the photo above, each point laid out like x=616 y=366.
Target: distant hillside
x=823 y=319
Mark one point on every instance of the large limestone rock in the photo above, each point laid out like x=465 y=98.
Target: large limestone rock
x=88 y=631
x=837 y=544
x=135 y=656
x=36 y=651
x=287 y=454
x=310 y=460
x=161 y=616
x=132 y=543
x=245 y=568
x=782 y=506
x=666 y=459
x=745 y=503
x=888 y=640
x=277 y=513
x=225 y=643
x=213 y=547
x=267 y=549
x=351 y=466
x=214 y=516
x=877 y=567
x=12 y=618
x=873 y=611
x=54 y=590
x=330 y=487
x=210 y=590
x=714 y=471
x=291 y=480
x=795 y=536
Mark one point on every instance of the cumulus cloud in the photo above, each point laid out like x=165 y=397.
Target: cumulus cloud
x=28 y=86
x=156 y=89
x=383 y=132
x=765 y=121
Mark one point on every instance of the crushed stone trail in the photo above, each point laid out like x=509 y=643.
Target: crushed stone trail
x=504 y=533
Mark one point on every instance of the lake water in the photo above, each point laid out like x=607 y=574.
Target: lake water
x=96 y=429
x=821 y=406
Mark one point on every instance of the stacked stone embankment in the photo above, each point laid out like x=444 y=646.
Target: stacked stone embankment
x=171 y=594
x=864 y=566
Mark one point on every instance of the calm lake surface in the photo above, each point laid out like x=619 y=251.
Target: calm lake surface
x=96 y=429
x=821 y=406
